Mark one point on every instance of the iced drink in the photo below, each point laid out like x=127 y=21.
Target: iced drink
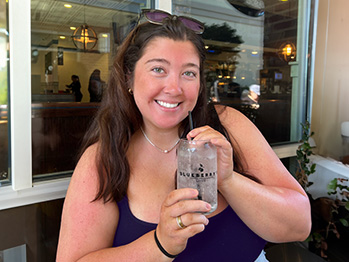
x=197 y=168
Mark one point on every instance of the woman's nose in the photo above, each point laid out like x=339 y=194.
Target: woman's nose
x=173 y=86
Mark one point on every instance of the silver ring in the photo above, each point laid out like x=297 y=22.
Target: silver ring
x=180 y=223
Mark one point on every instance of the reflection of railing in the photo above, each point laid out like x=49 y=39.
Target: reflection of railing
x=3 y=113
x=42 y=98
x=57 y=132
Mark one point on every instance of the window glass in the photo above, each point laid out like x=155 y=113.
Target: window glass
x=4 y=63
x=251 y=48
x=73 y=44
x=34 y=227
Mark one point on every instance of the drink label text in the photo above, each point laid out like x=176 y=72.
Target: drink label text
x=194 y=175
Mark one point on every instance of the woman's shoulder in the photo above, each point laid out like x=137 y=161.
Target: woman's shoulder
x=86 y=169
x=228 y=115
x=238 y=125
x=87 y=223
x=84 y=183
x=88 y=157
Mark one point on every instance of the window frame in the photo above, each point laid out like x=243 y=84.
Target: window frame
x=22 y=190
x=20 y=94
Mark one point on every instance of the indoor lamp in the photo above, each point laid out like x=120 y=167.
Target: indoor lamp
x=287 y=52
x=84 y=37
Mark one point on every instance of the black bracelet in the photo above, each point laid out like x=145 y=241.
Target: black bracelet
x=161 y=248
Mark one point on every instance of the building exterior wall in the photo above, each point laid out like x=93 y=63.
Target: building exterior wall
x=331 y=77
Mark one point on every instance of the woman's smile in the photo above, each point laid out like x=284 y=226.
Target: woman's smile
x=166 y=104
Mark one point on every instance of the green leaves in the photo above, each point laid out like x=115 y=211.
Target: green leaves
x=223 y=32
x=332 y=215
x=332 y=187
x=303 y=152
x=335 y=187
x=312 y=168
x=344 y=222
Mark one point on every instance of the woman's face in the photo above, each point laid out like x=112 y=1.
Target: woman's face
x=166 y=81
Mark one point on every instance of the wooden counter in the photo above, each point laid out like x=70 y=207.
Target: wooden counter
x=57 y=132
x=59 y=97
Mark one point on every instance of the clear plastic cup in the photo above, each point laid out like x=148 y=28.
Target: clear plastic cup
x=197 y=168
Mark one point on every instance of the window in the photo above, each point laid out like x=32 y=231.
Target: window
x=61 y=109
x=4 y=127
x=254 y=61
x=37 y=62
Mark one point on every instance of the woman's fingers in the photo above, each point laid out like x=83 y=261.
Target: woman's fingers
x=208 y=133
x=201 y=133
x=181 y=218
x=180 y=194
x=225 y=163
x=183 y=201
x=189 y=206
x=190 y=219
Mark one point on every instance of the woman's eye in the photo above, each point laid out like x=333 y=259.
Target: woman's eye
x=190 y=74
x=158 y=70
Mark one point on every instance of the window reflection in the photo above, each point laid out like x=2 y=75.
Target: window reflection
x=73 y=45
x=4 y=146
x=245 y=67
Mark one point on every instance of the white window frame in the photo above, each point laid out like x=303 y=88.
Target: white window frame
x=23 y=191
x=20 y=93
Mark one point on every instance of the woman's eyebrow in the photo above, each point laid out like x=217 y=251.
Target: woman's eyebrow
x=162 y=60
x=192 y=65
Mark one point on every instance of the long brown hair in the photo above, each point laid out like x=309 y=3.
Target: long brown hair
x=118 y=117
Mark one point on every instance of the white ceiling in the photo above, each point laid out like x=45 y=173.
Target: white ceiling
x=50 y=17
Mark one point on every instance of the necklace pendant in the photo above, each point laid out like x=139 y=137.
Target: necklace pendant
x=158 y=148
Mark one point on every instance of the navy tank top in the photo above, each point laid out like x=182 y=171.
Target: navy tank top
x=225 y=238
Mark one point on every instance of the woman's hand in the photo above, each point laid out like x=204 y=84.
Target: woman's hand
x=224 y=151
x=181 y=203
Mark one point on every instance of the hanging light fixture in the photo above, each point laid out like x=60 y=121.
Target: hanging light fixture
x=287 y=52
x=84 y=37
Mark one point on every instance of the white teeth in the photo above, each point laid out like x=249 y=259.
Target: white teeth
x=167 y=105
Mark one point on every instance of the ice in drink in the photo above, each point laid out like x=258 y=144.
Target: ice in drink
x=197 y=168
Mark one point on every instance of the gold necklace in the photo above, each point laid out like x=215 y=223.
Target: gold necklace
x=158 y=148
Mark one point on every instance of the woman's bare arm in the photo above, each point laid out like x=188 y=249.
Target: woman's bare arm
x=277 y=209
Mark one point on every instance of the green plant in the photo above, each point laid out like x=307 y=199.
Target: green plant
x=327 y=213
x=331 y=213
x=304 y=150
x=338 y=188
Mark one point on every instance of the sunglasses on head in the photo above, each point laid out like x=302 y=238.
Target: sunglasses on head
x=157 y=17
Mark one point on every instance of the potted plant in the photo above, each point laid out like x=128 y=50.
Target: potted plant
x=329 y=216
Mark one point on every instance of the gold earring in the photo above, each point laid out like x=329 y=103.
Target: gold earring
x=130 y=91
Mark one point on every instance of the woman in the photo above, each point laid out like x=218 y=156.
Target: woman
x=75 y=87
x=95 y=86
x=122 y=204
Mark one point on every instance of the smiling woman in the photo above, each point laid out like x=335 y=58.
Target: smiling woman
x=123 y=202
x=52 y=131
